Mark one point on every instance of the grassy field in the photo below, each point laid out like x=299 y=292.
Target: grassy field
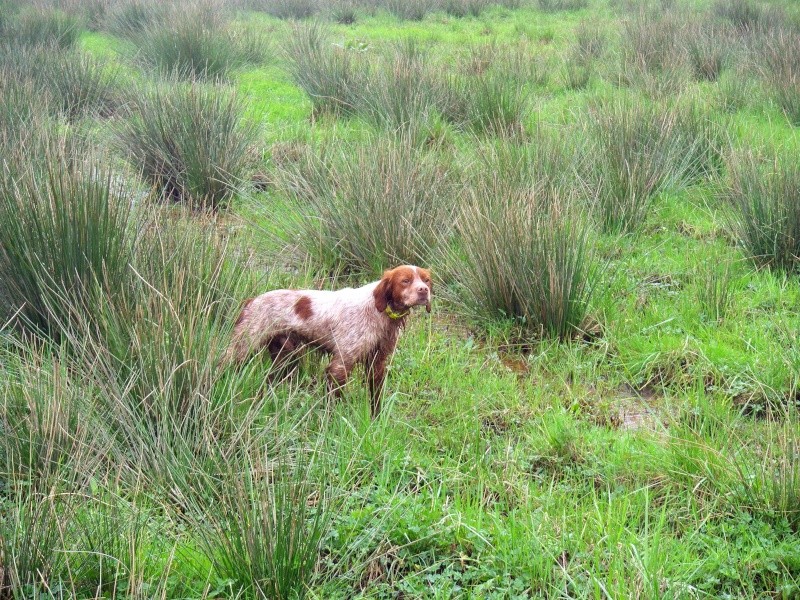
x=604 y=400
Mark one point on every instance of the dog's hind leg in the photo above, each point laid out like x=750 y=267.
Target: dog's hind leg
x=238 y=350
x=284 y=350
x=242 y=344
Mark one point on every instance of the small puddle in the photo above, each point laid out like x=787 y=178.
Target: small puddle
x=637 y=410
x=515 y=364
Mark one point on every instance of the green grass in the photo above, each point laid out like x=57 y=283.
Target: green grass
x=102 y=44
x=271 y=98
x=654 y=455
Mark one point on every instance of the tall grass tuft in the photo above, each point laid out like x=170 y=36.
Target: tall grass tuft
x=705 y=142
x=263 y=526
x=365 y=206
x=715 y=287
x=590 y=46
x=48 y=454
x=185 y=279
x=550 y=162
x=653 y=55
x=591 y=42
x=737 y=89
x=206 y=440
x=402 y=92
x=34 y=553
x=765 y=483
x=80 y=84
x=69 y=82
x=194 y=43
x=28 y=138
x=64 y=237
x=152 y=351
x=780 y=66
x=329 y=74
x=641 y=150
x=20 y=104
x=139 y=396
x=499 y=105
x=522 y=259
x=775 y=489
x=44 y=27
x=42 y=410
x=653 y=43
x=709 y=50
x=521 y=250
x=486 y=103
x=344 y=11
x=131 y=18
x=6 y=15
x=91 y=12
x=287 y=9
x=132 y=400
x=190 y=142
x=490 y=92
x=778 y=483
x=409 y=10
x=764 y=195
x=745 y=15
x=577 y=73
x=463 y=8
x=558 y=5
x=521 y=62
x=161 y=401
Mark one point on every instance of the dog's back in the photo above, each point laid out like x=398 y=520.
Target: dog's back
x=345 y=318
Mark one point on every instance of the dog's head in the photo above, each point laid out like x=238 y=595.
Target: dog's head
x=403 y=287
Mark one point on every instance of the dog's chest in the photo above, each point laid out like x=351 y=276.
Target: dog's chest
x=359 y=334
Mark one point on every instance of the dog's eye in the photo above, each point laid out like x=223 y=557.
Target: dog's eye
x=406 y=281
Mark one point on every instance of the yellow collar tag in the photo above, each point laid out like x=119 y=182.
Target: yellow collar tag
x=396 y=315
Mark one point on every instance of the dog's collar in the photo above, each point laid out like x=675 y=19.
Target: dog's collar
x=396 y=315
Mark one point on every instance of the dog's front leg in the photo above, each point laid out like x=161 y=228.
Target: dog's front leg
x=376 y=376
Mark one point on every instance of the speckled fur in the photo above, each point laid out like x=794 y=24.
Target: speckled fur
x=351 y=324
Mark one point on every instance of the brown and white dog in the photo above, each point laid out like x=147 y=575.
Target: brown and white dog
x=355 y=325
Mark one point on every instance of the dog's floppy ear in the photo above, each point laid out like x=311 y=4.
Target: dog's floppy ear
x=429 y=282
x=383 y=292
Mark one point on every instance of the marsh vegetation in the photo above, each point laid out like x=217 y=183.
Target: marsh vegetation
x=604 y=401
